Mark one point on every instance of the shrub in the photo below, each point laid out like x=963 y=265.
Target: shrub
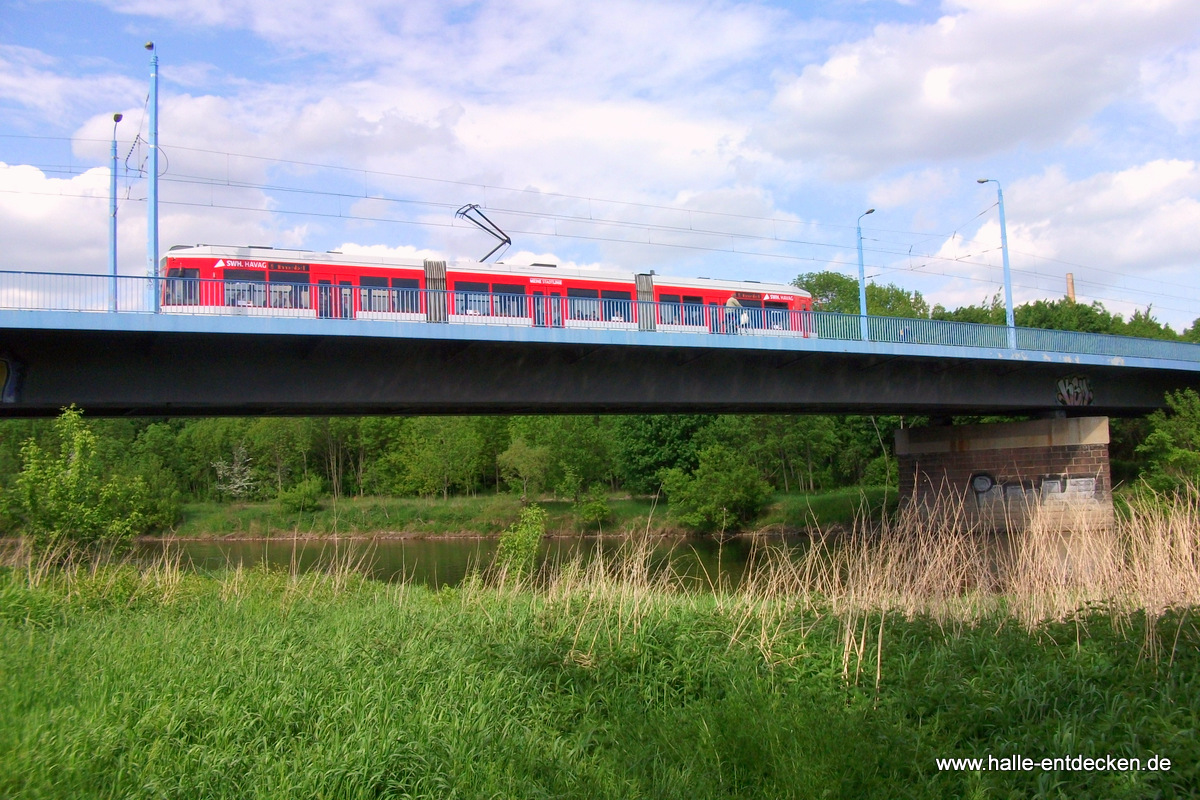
x=304 y=496
x=725 y=492
x=519 y=543
x=592 y=509
x=66 y=498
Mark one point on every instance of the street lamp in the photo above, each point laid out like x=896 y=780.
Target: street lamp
x=862 y=280
x=152 y=194
x=1008 y=301
x=112 y=219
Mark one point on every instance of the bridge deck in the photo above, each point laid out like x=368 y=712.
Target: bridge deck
x=63 y=346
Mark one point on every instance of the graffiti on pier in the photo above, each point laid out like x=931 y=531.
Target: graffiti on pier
x=992 y=492
x=1074 y=390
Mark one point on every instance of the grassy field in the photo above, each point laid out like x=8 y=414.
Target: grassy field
x=846 y=671
x=604 y=681
x=487 y=515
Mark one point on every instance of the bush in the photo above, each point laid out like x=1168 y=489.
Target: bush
x=1172 y=449
x=66 y=499
x=593 y=510
x=725 y=492
x=304 y=496
x=519 y=544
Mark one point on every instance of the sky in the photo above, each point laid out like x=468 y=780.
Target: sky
x=717 y=139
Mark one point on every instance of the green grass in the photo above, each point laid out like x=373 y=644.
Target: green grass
x=485 y=515
x=119 y=683
x=835 y=507
x=488 y=515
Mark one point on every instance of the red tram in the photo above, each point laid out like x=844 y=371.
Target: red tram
x=268 y=282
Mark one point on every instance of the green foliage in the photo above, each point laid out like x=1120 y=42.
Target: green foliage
x=524 y=466
x=519 y=543
x=833 y=291
x=593 y=510
x=304 y=496
x=723 y=494
x=646 y=445
x=70 y=498
x=1172 y=448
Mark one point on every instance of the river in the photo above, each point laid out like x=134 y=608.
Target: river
x=438 y=562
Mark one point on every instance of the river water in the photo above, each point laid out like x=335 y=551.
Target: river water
x=440 y=562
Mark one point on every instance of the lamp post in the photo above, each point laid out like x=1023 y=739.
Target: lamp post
x=862 y=281
x=152 y=194
x=112 y=220
x=1008 y=301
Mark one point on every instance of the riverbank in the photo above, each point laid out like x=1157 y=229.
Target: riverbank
x=488 y=515
x=609 y=683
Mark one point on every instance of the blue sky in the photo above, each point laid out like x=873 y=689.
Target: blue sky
x=723 y=139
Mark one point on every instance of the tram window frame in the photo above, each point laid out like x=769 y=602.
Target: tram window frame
x=616 y=305
x=245 y=287
x=183 y=287
x=693 y=309
x=583 y=304
x=510 y=299
x=289 y=289
x=472 y=298
x=669 y=309
x=776 y=315
x=373 y=294
x=407 y=292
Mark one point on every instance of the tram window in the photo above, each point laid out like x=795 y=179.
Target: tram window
x=183 y=287
x=508 y=304
x=245 y=287
x=693 y=310
x=668 y=308
x=583 y=304
x=616 y=305
x=373 y=293
x=408 y=294
x=472 y=298
x=289 y=289
x=776 y=316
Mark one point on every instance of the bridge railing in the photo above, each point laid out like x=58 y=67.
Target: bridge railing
x=49 y=291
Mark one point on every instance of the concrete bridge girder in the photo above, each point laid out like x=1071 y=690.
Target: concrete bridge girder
x=113 y=372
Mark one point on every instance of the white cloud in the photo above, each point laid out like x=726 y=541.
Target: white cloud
x=1172 y=85
x=981 y=79
x=33 y=80
x=1128 y=237
x=914 y=188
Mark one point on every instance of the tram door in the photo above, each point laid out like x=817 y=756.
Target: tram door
x=539 y=309
x=335 y=301
x=547 y=311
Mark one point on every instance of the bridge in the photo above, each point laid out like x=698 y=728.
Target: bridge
x=114 y=346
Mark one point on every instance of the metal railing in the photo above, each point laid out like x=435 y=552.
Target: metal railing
x=48 y=291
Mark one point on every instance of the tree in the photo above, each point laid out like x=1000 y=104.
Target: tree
x=831 y=291
x=441 y=453
x=644 y=445
x=525 y=465
x=1172 y=448
x=724 y=493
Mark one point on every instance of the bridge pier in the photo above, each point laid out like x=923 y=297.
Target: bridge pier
x=1001 y=475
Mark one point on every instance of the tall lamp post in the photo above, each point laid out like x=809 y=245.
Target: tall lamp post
x=112 y=220
x=1008 y=301
x=152 y=194
x=862 y=281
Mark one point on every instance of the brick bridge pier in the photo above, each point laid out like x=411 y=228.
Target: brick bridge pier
x=1002 y=474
